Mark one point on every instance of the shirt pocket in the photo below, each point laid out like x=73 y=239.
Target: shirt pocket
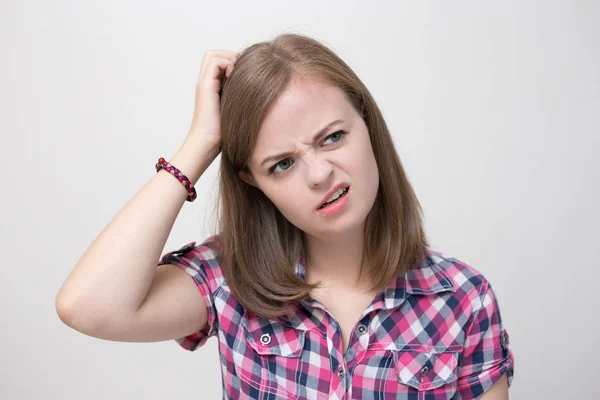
x=431 y=373
x=272 y=360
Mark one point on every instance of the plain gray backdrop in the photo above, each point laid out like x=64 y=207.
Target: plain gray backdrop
x=494 y=109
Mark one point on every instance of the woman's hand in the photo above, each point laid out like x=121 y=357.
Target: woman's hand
x=206 y=122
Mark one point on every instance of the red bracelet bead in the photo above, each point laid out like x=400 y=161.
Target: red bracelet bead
x=162 y=164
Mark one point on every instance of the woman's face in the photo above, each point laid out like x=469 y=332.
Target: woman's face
x=299 y=182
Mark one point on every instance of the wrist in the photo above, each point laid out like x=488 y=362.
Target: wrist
x=201 y=143
x=194 y=157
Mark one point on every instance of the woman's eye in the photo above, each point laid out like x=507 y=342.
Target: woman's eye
x=337 y=134
x=336 y=137
x=272 y=169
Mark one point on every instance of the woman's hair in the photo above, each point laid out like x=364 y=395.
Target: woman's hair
x=257 y=246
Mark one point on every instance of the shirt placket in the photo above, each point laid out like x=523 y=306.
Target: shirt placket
x=358 y=341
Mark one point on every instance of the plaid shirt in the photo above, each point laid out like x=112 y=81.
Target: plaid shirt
x=433 y=333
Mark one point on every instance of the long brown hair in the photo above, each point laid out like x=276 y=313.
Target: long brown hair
x=257 y=246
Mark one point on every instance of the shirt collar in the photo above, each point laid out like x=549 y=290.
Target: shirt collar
x=424 y=278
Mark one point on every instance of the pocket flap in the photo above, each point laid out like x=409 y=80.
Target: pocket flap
x=424 y=369
x=270 y=337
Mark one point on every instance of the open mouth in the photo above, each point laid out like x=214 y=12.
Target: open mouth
x=333 y=201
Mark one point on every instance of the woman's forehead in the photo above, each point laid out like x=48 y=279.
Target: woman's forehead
x=298 y=114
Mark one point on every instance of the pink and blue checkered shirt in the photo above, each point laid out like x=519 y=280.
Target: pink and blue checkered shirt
x=433 y=333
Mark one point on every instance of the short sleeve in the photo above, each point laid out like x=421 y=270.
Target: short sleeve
x=486 y=356
x=200 y=263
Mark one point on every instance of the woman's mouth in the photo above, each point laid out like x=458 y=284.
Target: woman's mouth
x=336 y=199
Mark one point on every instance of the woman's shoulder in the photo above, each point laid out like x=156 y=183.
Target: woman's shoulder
x=198 y=259
x=208 y=250
x=464 y=277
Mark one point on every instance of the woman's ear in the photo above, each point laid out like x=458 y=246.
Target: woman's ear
x=247 y=177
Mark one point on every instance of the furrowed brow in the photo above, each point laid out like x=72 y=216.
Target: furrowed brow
x=316 y=138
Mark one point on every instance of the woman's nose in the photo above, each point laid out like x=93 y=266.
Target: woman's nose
x=318 y=171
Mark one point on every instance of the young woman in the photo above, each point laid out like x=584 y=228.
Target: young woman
x=320 y=283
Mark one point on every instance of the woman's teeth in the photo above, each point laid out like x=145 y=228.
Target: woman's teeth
x=335 y=196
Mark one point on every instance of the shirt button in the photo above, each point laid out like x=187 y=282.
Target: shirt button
x=504 y=339
x=361 y=329
x=265 y=338
x=340 y=372
x=185 y=248
x=425 y=370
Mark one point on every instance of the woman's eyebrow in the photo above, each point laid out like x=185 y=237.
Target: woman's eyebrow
x=321 y=132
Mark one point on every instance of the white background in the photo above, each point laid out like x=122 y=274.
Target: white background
x=494 y=108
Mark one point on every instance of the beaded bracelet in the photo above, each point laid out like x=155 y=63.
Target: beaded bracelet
x=162 y=164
